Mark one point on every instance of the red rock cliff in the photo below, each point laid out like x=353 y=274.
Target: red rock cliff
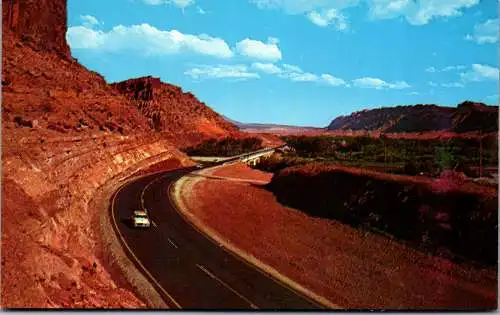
x=39 y=23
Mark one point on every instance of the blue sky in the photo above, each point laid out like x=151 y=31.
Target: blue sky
x=300 y=62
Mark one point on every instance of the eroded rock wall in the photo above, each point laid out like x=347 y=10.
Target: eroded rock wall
x=51 y=249
x=40 y=23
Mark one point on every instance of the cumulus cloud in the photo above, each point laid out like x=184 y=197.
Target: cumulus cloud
x=89 y=21
x=268 y=68
x=445 y=69
x=479 y=72
x=485 y=33
x=416 y=12
x=178 y=3
x=379 y=84
x=239 y=72
x=453 y=85
x=431 y=69
x=320 y=12
x=146 y=39
x=331 y=80
x=329 y=17
x=258 y=50
x=296 y=74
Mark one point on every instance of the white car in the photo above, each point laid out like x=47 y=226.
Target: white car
x=141 y=219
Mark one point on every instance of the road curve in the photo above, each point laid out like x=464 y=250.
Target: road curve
x=188 y=270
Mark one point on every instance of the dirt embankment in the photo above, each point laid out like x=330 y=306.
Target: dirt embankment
x=350 y=267
x=52 y=254
x=444 y=214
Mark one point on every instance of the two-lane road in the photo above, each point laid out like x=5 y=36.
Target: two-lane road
x=187 y=269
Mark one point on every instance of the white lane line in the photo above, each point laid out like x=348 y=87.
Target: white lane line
x=154 y=224
x=211 y=275
x=172 y=243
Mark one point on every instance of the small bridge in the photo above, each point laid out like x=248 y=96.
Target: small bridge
x=251 y=158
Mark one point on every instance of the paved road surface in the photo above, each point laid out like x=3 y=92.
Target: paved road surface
x=189 y=270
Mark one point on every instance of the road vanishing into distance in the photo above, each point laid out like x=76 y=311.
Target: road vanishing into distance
x=187 y=269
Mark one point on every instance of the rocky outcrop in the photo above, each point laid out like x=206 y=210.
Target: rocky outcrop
x=52 y=254
x=168 y=108
x=39 y=23
x=467 y=117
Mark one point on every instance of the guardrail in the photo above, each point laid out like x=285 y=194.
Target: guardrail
x=235 y=157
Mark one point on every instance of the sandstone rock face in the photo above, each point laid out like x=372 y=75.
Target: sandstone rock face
x=168 y=108
x=41 y=23
x=52 y=253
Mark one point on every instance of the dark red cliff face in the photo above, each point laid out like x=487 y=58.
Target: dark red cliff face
x=39 y=23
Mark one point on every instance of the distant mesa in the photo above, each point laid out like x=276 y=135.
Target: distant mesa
x=466 y=117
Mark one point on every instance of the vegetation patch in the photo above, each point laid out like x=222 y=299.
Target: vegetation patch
x=436 y=214
x=474 y=157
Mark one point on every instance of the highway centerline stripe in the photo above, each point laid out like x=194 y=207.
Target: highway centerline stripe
x=211 y=275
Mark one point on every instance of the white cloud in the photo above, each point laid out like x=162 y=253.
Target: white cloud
x=433 y=84
x=303 y=6
x=296 y=74
x=445 y=69
x=268 y=68
x=453 y=68
x=418 y=12
x=89 y=21
x=331 y=80
x=413 y=93
x=292 y=68
x=328 y=17
x=485 y=33
x=201 y=11
x=453 y=85
x=379 y=84
x=178 y=3
x=146 y=39
x=319 y=12
x=259 y=50
x=301 y=76
x=480 y=72
x=239 y=72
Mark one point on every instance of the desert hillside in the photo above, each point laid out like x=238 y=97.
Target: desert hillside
x=466 y=117
x=168 y=108
x=45 y=88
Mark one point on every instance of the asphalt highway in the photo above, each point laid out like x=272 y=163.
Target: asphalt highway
x=189 y=270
